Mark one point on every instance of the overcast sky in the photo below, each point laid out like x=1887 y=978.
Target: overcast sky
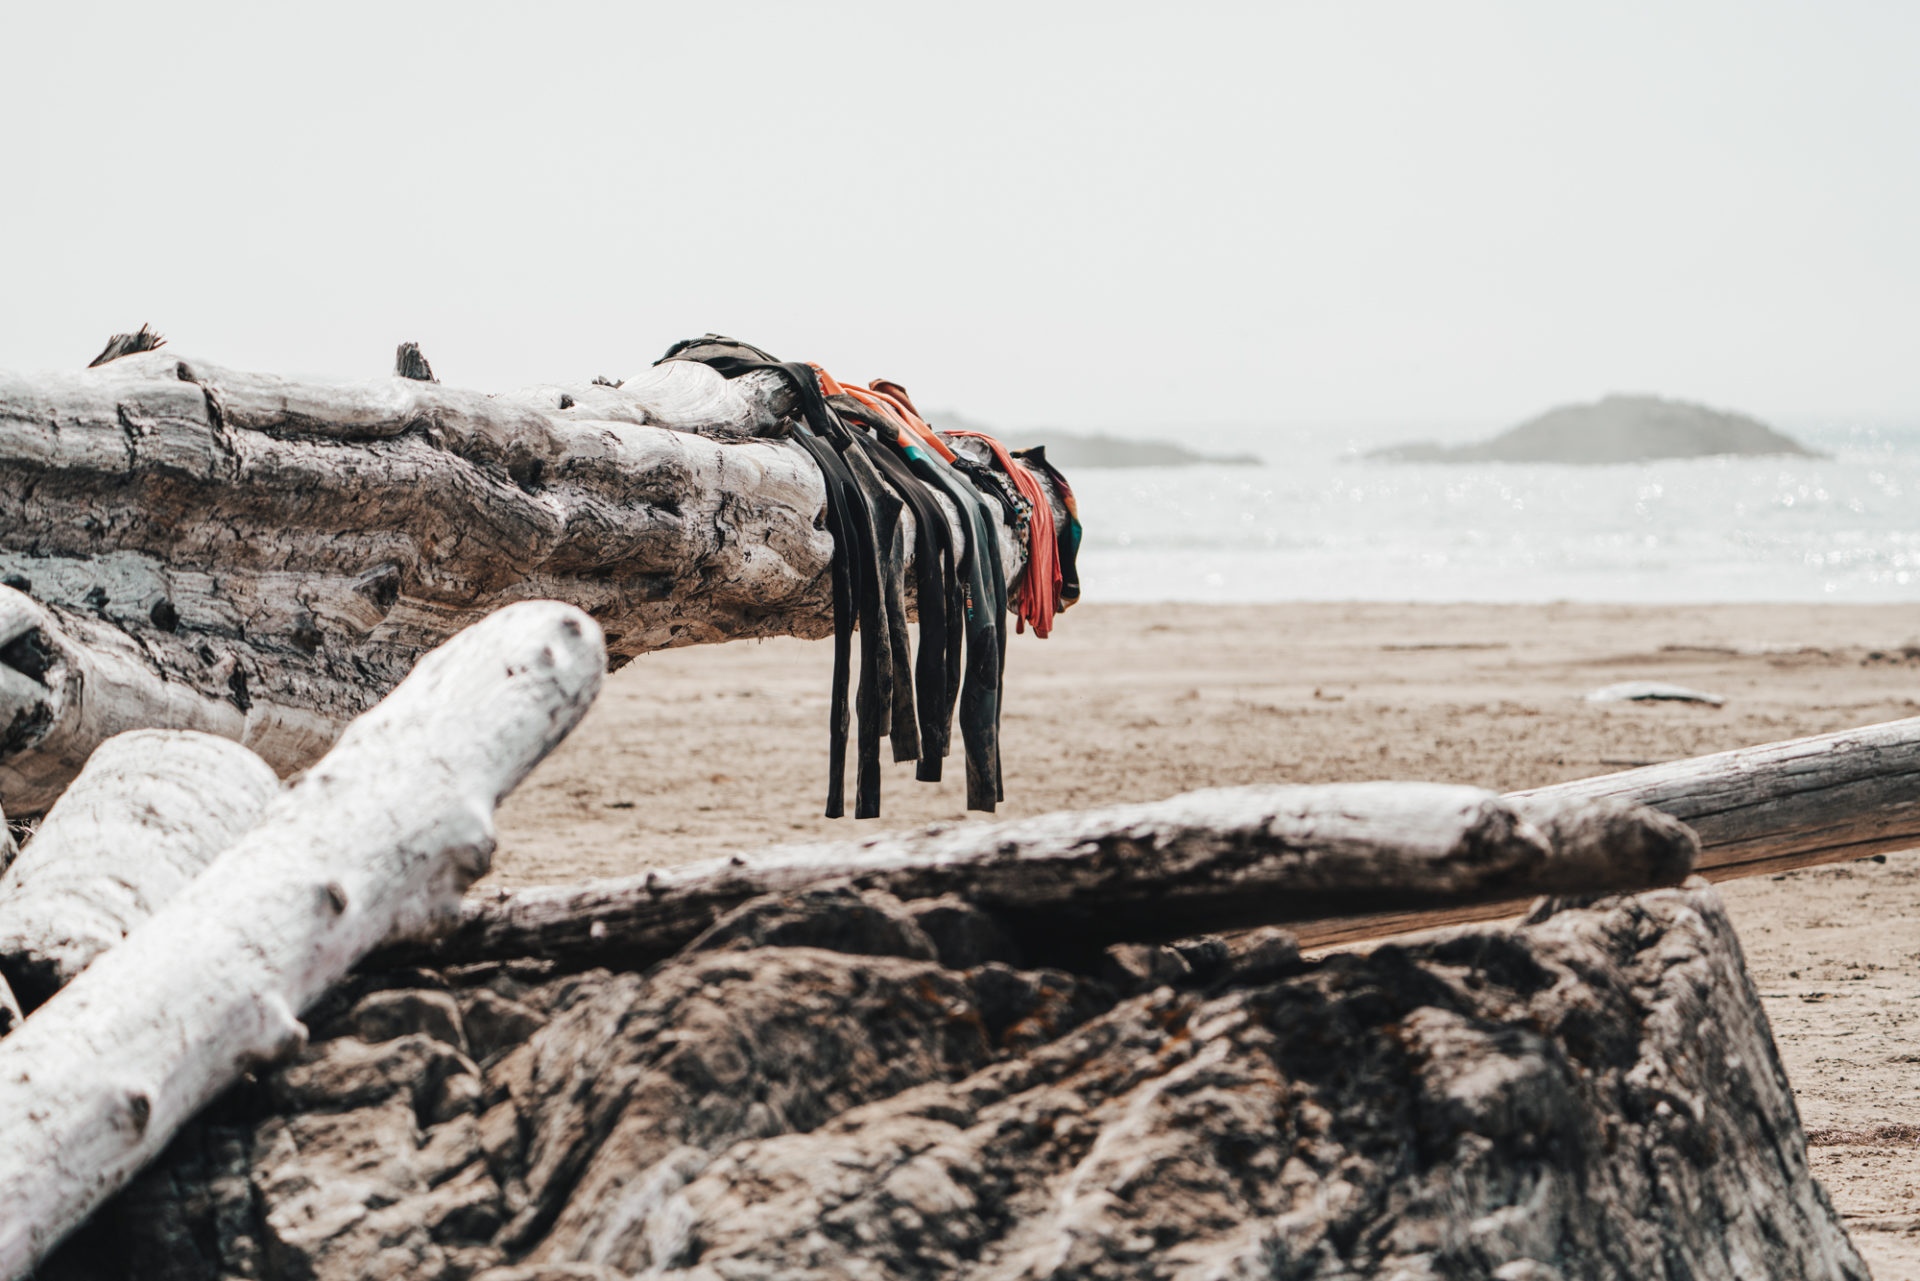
x=1094 y=215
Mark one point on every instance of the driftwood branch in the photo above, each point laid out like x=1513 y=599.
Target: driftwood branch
x=263 y=558
x=1073 y=883
x=1799 y=803
x=149 y=811
x=379 y=839
x=1106 y=876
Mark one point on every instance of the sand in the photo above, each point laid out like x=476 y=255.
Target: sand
x=698 y=752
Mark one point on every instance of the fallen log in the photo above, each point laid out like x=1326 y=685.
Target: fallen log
x=263 y=558
x=1761 y=809
x=149 y=811
x=1070 y=884
x=1756 y=810
x=378 y=840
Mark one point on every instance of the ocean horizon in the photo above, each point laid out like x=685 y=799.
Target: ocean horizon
x=1318 y=522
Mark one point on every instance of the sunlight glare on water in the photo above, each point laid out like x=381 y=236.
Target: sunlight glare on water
x=1309 y=526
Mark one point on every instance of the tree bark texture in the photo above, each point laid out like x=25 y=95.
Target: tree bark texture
x=1798 y=803
x=1073 y=883
x=149 y=811
x=1593 y=1095
x=262 y=558
x=378 y=839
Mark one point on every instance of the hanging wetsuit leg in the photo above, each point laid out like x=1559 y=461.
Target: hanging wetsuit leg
x=845 y=572
x=997 y=580
x=879 y=709
x=934 y=566
x=984 y=610
x=869 y=705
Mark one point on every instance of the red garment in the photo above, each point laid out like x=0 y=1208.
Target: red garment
x=1040 y=589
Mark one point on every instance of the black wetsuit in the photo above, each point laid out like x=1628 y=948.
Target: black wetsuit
x=985 y=605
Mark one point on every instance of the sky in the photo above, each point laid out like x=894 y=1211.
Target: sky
x=1096 y=216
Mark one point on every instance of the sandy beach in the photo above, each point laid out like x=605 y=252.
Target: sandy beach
x=698 y=752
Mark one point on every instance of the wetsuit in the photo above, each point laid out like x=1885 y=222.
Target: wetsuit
x=1066 y=532
x=1040 y=597
x=868 y=482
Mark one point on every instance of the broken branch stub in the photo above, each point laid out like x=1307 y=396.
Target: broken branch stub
x=378 y=840
x=149 y=811
x=1069 y=884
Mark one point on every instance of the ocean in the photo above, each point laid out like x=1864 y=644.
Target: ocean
x=1317 y=522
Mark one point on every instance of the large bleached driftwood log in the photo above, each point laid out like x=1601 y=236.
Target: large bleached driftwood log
x=1070 y=884
x=379 y=839
x=263 y=558
x=1799 y=803
x=149 y=811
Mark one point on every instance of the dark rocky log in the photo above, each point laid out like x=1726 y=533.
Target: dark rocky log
x=1068 y=885
x=264 y=558
x=1590 y=1096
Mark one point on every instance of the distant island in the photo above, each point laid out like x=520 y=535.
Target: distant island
x=1617 y=429
x=1071 y=450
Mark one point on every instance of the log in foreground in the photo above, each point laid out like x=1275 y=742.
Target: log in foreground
x=378 y=839
x=1756 y=810
x=1070 y=884
x=263 y=558
x=150 y=810
x=1589 y=1097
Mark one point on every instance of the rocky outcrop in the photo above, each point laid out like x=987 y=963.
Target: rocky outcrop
x=1077 y=451
x=1616 y=429
x=1592 y=1094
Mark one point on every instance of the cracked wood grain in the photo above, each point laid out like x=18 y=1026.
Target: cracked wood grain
x=1070 y=884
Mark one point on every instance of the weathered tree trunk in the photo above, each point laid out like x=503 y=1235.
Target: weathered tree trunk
x=1588 y=1097
x=1783 y=805
x=149 y=811
x=262 y=558
x=1799 y=803
x=378 y=839
x=1070 y=884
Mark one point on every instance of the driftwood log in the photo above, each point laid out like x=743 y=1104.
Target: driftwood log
x=1331 y=866
x=1590 y=1096
x=378 y=840
x=1826 y=798
x=262 y=558
x=1072 y=884
x=147 y=814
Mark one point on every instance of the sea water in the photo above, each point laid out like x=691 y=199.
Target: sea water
x=1317 y=521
